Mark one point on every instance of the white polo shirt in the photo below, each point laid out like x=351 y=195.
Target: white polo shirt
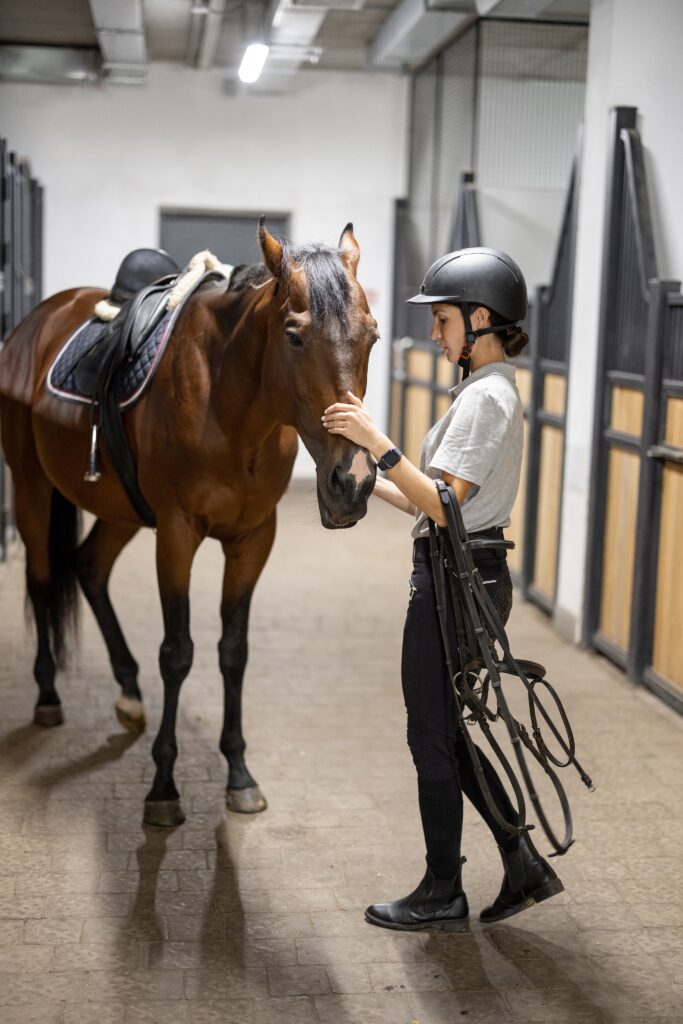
x=480 y=439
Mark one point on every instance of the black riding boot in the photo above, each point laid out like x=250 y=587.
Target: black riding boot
x=528 y=879
x=436 y=903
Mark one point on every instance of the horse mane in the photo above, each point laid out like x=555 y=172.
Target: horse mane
x=328 y=286
x=246 y=274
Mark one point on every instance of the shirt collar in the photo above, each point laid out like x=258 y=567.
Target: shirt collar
x=506 y=369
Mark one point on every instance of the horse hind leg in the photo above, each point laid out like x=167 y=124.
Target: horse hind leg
x=94 y=562
x=48 y=525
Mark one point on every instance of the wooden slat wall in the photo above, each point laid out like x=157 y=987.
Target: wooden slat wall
x=549 y=487
x=419 y=365
x=623 y=474
x=667 y=657
x=548 y=517
x=515 y=531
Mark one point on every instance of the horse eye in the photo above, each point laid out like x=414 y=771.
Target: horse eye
x=294 y=339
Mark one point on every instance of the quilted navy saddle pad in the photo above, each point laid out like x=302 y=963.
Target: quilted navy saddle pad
x=131 y=380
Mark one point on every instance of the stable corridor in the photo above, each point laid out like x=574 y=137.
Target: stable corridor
x=259 y=920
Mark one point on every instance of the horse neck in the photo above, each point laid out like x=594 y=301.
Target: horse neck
x=237 y=363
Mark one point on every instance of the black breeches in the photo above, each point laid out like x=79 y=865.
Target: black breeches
x=444 y=767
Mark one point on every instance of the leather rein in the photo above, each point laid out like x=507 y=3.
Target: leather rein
x=479 y=676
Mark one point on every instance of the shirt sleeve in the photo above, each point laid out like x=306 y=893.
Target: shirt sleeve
x=471 y=444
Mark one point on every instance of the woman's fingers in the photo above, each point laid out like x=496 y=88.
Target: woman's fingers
x=340 y=407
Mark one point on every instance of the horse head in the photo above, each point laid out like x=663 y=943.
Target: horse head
x=320 y=333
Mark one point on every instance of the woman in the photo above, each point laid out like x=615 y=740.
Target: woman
x=476 y=296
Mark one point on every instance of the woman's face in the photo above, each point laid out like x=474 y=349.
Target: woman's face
x=448 y=330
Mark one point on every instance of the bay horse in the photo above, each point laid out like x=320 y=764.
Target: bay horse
x=249 y=366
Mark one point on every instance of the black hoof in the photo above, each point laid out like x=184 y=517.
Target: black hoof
x=163 y=813
x=245 y=801
x=48 y=715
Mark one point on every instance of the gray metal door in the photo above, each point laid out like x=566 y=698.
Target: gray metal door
x=229 y=236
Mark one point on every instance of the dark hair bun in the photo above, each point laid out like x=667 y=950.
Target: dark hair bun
x=514 y=340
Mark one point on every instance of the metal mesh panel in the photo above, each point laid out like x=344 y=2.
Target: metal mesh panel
x=627 y=328
x=422 y=171
x=455 y=128
x=672 y=368
x=531 y=94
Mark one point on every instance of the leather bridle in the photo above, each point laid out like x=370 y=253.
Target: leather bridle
x=480 y=674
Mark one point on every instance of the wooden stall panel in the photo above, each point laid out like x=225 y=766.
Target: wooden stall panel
x=445 y=373
x=548 y=518
x=523 y=381
x=418 y=420
x=419 y=364
x=667 y=654
x=554 y=393
x=626 y=413
x=395 y=425
x=443 y=404
x=515 y=531
x=623 y=471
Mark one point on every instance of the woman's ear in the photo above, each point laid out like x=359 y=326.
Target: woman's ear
x=481 y=317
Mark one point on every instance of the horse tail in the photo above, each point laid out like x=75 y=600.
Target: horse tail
x=62 y=596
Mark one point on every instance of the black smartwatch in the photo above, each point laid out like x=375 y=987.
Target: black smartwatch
x=390 y=459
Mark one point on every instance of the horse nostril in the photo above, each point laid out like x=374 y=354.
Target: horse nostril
x=335 y=483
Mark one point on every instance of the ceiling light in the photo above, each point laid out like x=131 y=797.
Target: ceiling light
x=252 y=62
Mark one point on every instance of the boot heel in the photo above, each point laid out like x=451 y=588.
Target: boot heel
x=544 y=892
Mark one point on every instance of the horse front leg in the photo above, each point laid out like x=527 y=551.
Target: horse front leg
x=243 y=564
x=177 y=543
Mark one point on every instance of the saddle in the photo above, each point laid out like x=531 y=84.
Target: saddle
x=108 y=365
x=121 y=339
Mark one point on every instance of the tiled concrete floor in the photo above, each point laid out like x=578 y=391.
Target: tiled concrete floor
x=259 y=920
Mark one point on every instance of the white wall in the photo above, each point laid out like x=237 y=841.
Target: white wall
x=330 y=151
x=633 y=60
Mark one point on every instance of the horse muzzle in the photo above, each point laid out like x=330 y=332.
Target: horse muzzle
x=343 y=491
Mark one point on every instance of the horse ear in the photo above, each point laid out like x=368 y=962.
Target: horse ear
x=271 y=249
x=350 y=248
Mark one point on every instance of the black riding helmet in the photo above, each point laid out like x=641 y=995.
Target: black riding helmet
x=476 y=277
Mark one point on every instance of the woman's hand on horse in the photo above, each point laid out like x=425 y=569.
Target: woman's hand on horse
x=353 y=421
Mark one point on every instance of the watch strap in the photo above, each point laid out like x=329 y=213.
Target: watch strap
x=390 y=459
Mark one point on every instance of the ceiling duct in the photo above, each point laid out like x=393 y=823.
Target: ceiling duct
x=416 y=28
x=49 y=65
x=206 y=20
x=121 y=36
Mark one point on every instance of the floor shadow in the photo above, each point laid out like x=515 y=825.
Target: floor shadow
x=113 y=748
x=225 y=899
x=546 y=965
x=459 y=959
x=144 y=922
x=21 y=744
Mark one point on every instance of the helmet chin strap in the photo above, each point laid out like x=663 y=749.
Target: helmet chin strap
x=472 y=335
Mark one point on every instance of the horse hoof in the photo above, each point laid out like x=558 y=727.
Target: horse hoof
x=131 y=714
x=48 y=715
x=245 y=801
x=163 y=813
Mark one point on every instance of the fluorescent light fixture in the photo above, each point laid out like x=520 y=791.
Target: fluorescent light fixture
x=253 y=61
